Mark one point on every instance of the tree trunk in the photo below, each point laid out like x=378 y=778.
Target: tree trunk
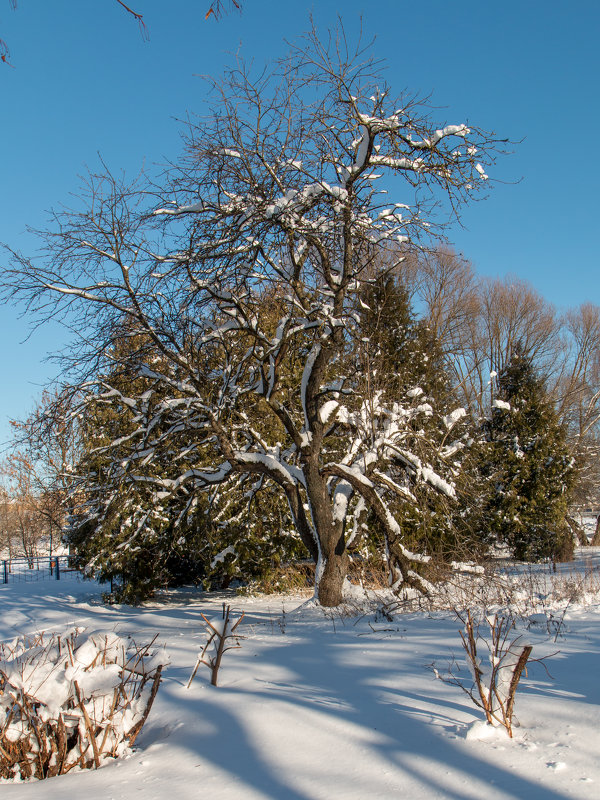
x=331 y=582
x=578 y=532
x=332 y=567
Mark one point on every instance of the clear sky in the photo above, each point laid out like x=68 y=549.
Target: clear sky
x=85 y=83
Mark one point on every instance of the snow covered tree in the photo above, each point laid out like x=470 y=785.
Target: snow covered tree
x=399 y=356
x=281 y=198
x=529 y=467
x=122 y=530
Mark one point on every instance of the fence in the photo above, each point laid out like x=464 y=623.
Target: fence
x=38 y=568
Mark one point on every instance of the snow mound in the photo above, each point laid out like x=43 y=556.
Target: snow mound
x=72 y=701
x=482 y=731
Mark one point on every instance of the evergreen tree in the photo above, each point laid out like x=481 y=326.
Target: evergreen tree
x=528 y=467
x=400 y=358
x=127 y=529
x=399 y=351
x=124 y=530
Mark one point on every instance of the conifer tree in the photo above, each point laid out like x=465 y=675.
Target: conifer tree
x=121 y=529
x=398 y=349
x=400 y=357
x=529 y=468
x=126 y=530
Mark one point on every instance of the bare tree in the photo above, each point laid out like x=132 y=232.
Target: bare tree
x=23 y=527
x=6 y=523
x=578 y=396
x=276 y=205
x=515 y=316
x=447 y=290
x=580 y=388
x=37 y=473
x=504 y=315
x=45 y=448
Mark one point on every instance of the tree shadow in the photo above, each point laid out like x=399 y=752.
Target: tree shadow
x=325 y=691
x=308 y=707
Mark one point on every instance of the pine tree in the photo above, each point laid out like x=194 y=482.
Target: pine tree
x=399 y=351
x=123 y=530
x=528 y=467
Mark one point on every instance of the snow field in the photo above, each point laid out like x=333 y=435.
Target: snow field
x=318 y=705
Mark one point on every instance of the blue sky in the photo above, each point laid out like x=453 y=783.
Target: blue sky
x=85 y=82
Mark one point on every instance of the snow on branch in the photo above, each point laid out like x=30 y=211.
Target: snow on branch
x=236 y=299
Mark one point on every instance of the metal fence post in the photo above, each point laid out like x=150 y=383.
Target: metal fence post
x=57 y=568
x=5 y=571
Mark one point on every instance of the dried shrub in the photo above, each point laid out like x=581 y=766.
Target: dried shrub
x=495 y=679
x=72 y=701
x=221 y=638
x=524 y=590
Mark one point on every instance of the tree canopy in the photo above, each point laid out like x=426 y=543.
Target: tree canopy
x=529 y=469
x=244 y=283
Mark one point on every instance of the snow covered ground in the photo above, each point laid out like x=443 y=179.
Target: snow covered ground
x=321 y=705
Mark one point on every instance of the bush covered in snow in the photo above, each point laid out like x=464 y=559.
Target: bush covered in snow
x=72 y=700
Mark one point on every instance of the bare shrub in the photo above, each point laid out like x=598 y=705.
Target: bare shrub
x=493 y=685
x=220 y=634
x=72 y=700
x=529 y=590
